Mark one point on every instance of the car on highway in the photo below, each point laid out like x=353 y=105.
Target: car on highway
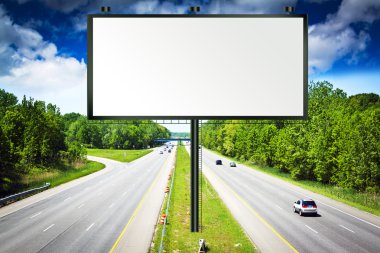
x=161 y=152
x=218 y=162
x=305 y=206
x=169 y=151
x=232 y=164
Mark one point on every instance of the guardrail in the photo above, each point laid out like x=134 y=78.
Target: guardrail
x=13 y=197
x=160 y=249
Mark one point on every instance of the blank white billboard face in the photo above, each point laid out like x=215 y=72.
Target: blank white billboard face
x=197 y=67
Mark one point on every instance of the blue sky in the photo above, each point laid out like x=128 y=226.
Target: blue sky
x=43 y=42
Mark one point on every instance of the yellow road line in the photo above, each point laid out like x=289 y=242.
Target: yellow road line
x=137 y=208
x=253 y=211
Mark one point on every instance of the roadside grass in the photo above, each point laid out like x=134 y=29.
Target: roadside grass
x=220 y=230
x=61 y=174
x=369 y=202
x=121 y=155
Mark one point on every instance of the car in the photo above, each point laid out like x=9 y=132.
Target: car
x=169 y=151
x=161 y=152
x=219 y=162
x=305 y=206
x=232 y=164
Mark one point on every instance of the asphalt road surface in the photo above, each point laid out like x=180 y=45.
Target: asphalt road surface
x=268 y=201
x=87 y=217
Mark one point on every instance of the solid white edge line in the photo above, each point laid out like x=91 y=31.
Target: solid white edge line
x=347 y=229
x=48 y=227
x=90 y=226
x=353 y=216
x=311 y=229
x=35 y=215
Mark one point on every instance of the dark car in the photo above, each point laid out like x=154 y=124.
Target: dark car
x=219 y=162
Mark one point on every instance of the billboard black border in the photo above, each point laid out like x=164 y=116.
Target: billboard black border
x=90 y=18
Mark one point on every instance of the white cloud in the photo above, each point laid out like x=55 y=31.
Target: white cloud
x=65 y=6
x=214 y=6
x=32 y=66
x=336 y=39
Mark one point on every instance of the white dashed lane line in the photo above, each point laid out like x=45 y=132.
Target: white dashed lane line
x=347 y=228
x=49 y=227
x=279 y=207
x=337 y=209
x=90 y=226
x=311 y=229
x=111 y=205
x=35 y=215
x=67 y=199
x=79 y=207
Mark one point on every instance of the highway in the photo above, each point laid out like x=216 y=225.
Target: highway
x=89 y=215
x=263 y=205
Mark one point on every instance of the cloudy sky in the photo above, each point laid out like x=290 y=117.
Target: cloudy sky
x=43 y=42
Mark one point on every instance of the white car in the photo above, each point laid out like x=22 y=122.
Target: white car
x=305 y=206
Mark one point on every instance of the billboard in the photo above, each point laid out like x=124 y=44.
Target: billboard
x=197 y=67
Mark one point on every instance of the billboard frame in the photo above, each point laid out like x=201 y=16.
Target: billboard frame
x=90 y=101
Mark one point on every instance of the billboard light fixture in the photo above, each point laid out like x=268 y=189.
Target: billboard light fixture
x=105 y=9
x=289 y=9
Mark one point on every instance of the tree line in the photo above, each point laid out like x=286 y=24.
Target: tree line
x=339 y=144
x=34 y=134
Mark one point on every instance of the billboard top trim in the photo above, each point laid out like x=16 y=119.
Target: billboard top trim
x=197 y=15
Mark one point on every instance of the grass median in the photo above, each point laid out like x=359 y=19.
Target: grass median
x=369 y=202
x=220 y=230
x=121 y=155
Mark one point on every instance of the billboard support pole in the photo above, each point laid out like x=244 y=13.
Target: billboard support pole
x=194 y=175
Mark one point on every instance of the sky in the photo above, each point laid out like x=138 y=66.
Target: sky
x=43 y=42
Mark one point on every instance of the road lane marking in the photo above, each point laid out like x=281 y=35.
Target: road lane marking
x=67 y=199
x=49 y=227
x=300 y=193
x=99 y=193
x=279 y=207
x=111 y=205
x=138 y=207
x=353 y=216
x=311 y=229
x=101 y=181
x=253 y=211
x=90 y=226
x=35 y=215
x=87 y=188
x=124 y=193
x=79 y=207
x=347 y=229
